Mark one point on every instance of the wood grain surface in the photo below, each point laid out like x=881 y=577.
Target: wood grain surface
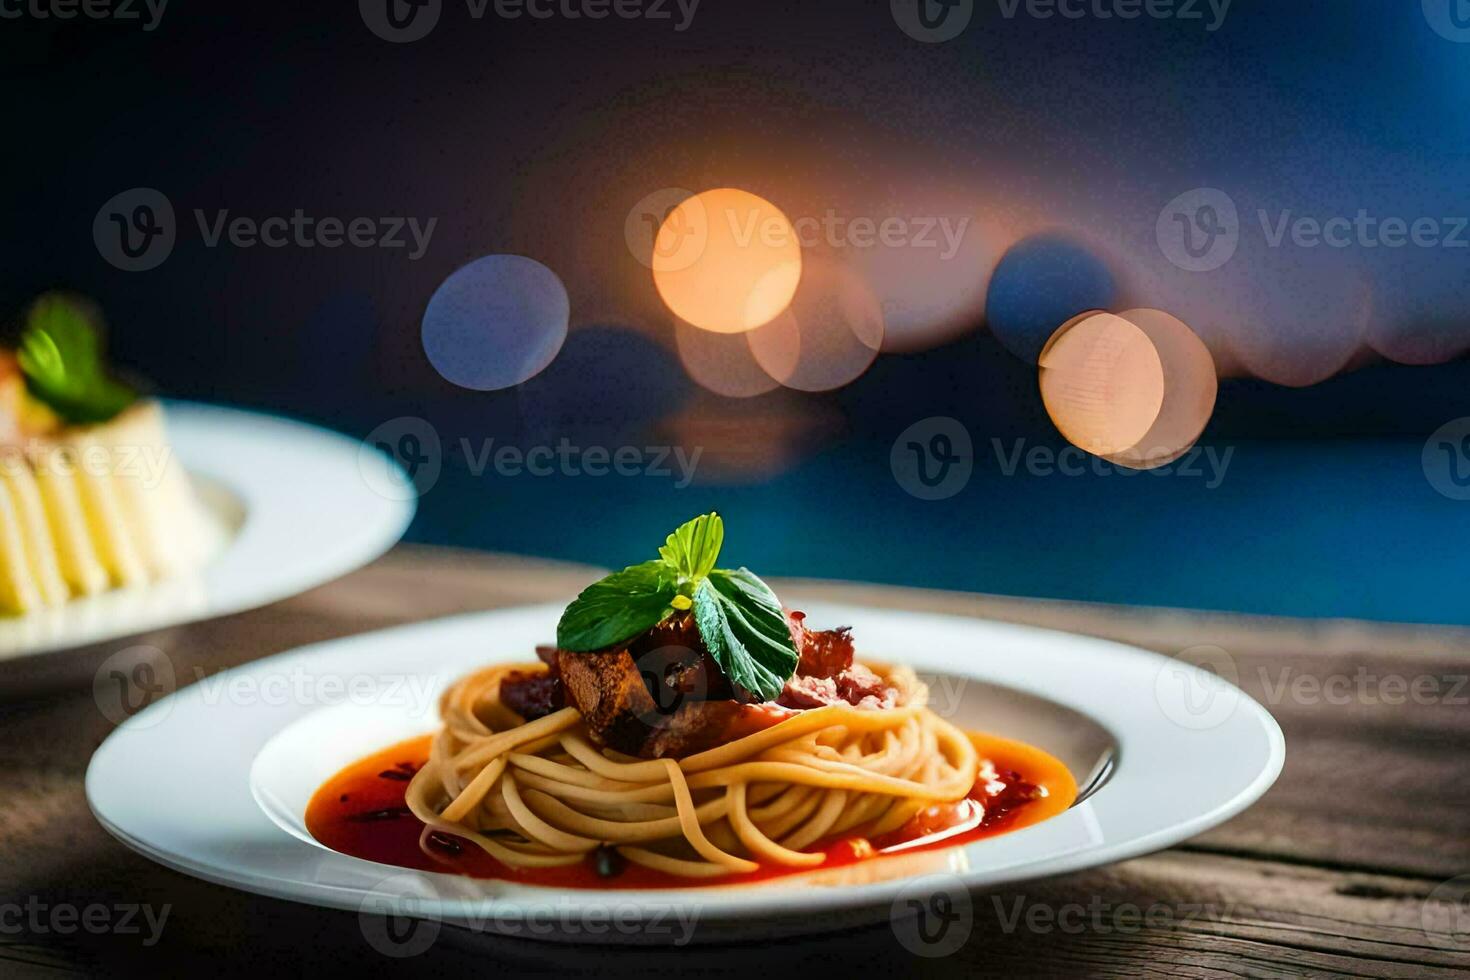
x=1345 y=868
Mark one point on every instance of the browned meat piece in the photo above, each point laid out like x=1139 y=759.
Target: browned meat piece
x=824 y=653
x=532 y=696
x=857 y=686
x=615 y=692
x=664 y=696
x=609 y=692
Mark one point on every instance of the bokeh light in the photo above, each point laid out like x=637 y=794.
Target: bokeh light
x=831 y=334
x=1102 y=382
x=722 y=362
x=1191 y=385
x=1042 y=281
x=727 y=260
x=496 y=322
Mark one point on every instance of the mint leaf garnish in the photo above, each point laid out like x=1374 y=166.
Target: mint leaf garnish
x=618 y=607
x=693 y=548
x=739 y=617
x=741 y=622
x=60 y=355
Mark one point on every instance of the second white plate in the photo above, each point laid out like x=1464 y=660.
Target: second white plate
x=290 y=505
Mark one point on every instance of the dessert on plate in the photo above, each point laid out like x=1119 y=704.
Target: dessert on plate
x=91 y=497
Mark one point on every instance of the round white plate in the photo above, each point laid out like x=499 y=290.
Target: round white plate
x=289 y=506
x=214 y=779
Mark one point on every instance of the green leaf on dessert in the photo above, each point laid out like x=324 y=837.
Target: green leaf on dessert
x=60 y=355
x=742 y=624
x=693 y=548
x=618 y=608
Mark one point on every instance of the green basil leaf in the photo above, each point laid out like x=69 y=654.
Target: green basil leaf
x=60 y=354
x=742 y=625
x=618 y=608
x=693 y=549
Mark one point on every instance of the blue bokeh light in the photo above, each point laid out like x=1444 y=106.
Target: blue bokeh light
x=496 y=322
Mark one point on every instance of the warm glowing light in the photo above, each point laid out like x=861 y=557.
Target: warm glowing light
x=829 y=337
x=1136 y=388
x=1102 y=382
x=727 y=261
x=1190 y=387
x=722 y=362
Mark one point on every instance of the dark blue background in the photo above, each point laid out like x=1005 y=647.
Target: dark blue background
x=536 y=138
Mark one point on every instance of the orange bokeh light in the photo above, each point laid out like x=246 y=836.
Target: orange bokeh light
x=727 y=261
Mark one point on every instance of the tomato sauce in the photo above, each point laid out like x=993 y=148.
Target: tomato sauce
x=361 y=812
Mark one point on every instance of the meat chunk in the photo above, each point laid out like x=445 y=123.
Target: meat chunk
x=663 y=695
x=617 y=701
x=824 y=653
x=530 y=695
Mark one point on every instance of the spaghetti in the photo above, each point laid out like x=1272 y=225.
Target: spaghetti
x=542 y=794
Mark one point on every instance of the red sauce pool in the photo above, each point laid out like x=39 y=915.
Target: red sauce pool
x=360 y=812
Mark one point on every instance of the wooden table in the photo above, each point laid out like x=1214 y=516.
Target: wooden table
x=1331 y=873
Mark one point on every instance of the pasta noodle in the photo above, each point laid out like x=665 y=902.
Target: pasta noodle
x=542 y=794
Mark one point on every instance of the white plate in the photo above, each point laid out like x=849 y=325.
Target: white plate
x=213 y=780
x=289 y=507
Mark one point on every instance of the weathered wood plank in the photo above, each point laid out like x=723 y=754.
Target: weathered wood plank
x=1328 y=875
